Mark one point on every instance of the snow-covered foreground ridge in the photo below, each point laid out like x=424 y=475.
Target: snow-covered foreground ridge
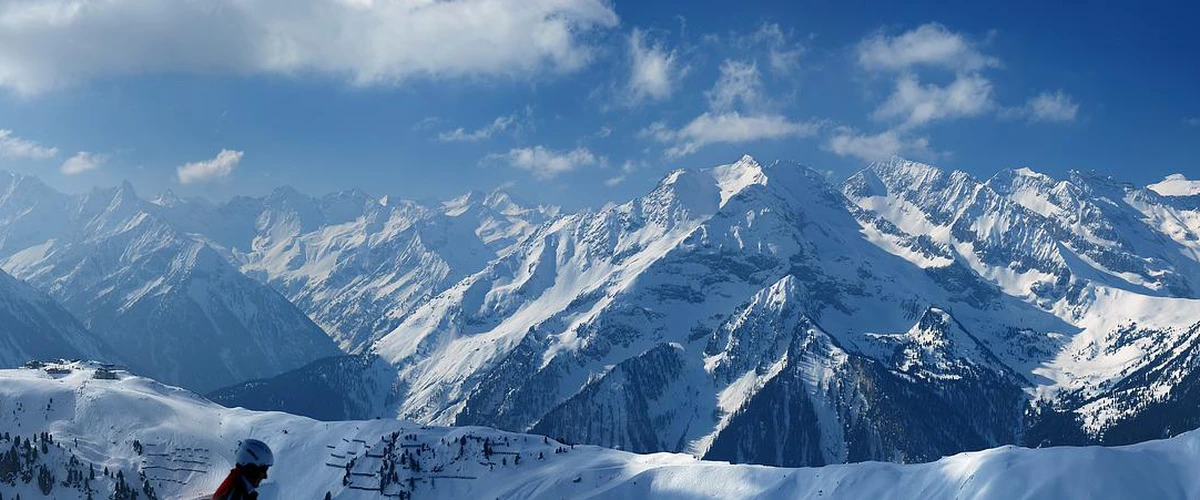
x=182 y=444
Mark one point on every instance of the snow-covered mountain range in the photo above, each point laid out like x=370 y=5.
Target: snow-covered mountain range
x=169 y=303
x=68 y=430
x=746 y=312
x=764 y=314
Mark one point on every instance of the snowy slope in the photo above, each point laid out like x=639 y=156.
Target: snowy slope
x=182 y=444
x=1081 y=249
x=1176 y=185
x=357 y=264
x=37 y=327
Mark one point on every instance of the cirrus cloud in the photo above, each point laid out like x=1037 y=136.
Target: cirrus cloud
x=51 y=43
x=501 y=124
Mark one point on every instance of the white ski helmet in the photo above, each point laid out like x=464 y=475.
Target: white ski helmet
x=254 y=452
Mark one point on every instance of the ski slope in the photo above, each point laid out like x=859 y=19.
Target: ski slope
x=186 y=443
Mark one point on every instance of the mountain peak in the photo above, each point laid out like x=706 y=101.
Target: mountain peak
x=285 y=193
x=496 y=200
x=1028 y=172
x=1176 y=185
x=168 y=198
x=126 y=190
x=935 y=321
x=1018 y=176
x=733 y=178
x=351 y=193
x=897 y=168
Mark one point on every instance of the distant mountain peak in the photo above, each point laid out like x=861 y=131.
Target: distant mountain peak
x=1176 y=185
x=168 y=198
x=496 y=200
x=287 y=193
x=901 y=164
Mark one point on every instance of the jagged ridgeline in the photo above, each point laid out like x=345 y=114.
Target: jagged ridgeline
x=765 y=314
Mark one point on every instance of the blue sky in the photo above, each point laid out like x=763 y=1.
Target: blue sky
x=579 y=102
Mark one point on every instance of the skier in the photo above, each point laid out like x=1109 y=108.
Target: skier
x=253 y=459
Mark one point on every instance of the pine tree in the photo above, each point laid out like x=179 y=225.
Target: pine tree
x=148 y=489
x=45 y=479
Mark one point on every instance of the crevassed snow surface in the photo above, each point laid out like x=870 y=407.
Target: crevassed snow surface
x=187 y=443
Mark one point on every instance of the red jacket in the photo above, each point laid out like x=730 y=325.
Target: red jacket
x=235 y=487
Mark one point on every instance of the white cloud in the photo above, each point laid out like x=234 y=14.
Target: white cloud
x=784 y=61
x=1192 y=122
x=846 y=142
x=82 y=162
x=1047 y=106
x=735 y=116
x=50 y=43
x=654 y=72
x=426 y=123
x=739 y=83
x=14 y=147
x=658 y=131
x=499 y=125
x=1052 y=107
x=547 y=163
x=928 y=45
x=915 y=104
x=732 y=127
x=626 y=168
x=909 y=57
x=202 y=171
x=783 y=56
